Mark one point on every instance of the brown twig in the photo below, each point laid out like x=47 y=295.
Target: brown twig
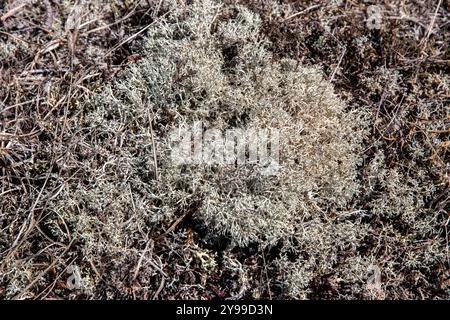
x=424 y=41
x=302 y=12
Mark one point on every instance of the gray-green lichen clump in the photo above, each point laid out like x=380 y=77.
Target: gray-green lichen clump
x=209 y=64
x=355 y=207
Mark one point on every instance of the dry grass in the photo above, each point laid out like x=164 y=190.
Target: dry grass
x=69 y=194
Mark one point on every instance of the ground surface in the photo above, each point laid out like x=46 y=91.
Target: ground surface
x=54 y=55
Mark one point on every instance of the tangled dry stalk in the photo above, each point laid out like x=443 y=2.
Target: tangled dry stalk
x=56 y=56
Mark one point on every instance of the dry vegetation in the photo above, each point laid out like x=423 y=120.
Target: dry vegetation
x=90 y=89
